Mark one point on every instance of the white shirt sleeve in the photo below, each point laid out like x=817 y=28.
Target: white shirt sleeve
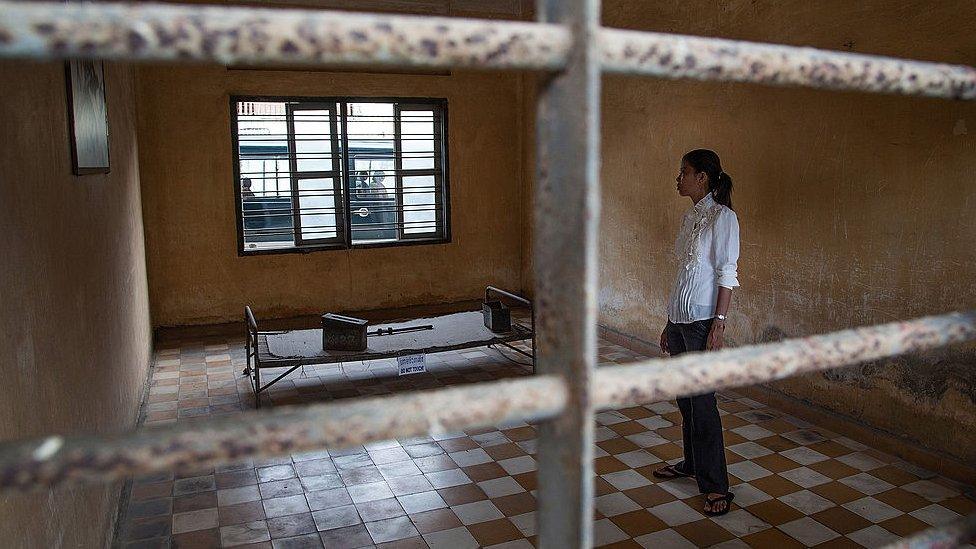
x=725 y=249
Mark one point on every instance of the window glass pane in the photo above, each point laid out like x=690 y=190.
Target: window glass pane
x=317 y=208
x=419 y=204
x=417 y=139
x=262 y=146
x=313 y=144
x=372 y=169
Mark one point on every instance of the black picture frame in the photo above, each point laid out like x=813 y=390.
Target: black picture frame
x=87 y=117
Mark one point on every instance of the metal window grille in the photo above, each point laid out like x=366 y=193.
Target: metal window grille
x=321 y=173
x=567 y=44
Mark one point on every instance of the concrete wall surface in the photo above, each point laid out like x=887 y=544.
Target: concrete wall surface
x=74 y=325
x=855 y=209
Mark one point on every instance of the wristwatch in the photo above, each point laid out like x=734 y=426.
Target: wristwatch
x=720 y=317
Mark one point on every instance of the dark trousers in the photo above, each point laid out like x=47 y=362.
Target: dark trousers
x=701 y=426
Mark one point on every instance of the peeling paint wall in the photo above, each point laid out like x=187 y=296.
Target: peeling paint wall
x=74 y=324
x=855 y=209
x=195 y=273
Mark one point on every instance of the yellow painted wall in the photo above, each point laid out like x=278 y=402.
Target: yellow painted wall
x=74 y=327
x=855 y=209
x=195 y=273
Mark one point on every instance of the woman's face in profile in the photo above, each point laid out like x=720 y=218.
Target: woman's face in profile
x=687 y=180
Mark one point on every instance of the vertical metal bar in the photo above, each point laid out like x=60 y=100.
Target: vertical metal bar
x=566 y=219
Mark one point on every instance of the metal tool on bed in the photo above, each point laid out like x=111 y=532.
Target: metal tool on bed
x=344 y=339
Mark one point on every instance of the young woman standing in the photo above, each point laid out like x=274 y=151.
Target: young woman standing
x=708 y=250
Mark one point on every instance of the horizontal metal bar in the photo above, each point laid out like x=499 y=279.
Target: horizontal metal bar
x=695 y=373
x=679 y=56
x=232 y=35
x=54 y=460
x=228 y=35
x=955 y=534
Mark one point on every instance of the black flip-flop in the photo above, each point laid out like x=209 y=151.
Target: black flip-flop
x=669 y=472
x=727 y=498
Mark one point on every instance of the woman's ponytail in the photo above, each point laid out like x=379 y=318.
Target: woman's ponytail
x=722 y=189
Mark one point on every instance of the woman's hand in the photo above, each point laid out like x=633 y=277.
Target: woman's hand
x=664 y=341
x=716 y=336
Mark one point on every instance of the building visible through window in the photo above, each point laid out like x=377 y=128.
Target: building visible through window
x=339 y=173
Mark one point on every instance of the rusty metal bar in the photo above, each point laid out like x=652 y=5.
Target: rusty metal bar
x=53 y=460
x=228 y=35
x=678 y=56
x=955 y=534
x=231 y=35
x=567 y=217
x=694 y=373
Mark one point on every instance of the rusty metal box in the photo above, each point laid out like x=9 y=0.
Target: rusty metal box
x=343 y=333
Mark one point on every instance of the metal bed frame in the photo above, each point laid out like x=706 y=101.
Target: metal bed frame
x=259 y=356
x=570 y=48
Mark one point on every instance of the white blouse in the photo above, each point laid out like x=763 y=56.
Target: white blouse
x=707 y=248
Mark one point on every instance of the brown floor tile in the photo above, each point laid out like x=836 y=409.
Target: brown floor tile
x=529 y=481
x=830 y=448
x=731 y=438
x=148 y=528
x=774 y=512
x=637 y=412
x=484 y=471
x=731 y=422
x=494 y=532
x=903 y=525
x=459 y=495
x=733 y=406
x=435 y=521
x=834 y=469
x=458 y=444
x=150 y=508
x=235 y=479
x=775 y=485
x=194 y=502
x=201 y=539
x=649 y=496
x=616 y=446
x=628 y=428
x=515 y=504
x=771 y=538
x=776 y=463
x=777 y=443
x=504 y=451
x=894 y=475
x=837 y=492
x=240 y=513
x=671 y=433
x=673 y=417
x=841 y=520
x=667 y=451
x=960 y=504
x=637 y=523
x=602 y=487
x=519 y=434
x=704 y=533
x=608 y=464
x=902 y=500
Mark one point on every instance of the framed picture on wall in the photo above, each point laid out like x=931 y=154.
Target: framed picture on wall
x=87 y=117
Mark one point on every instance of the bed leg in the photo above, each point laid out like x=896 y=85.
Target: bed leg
x=257 y=382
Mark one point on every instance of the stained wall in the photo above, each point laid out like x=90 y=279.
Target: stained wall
x=854 y=209
x=74 y=326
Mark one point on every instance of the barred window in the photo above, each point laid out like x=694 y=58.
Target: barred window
x=328 y=173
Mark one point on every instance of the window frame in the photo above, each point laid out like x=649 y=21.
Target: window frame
x=443 y=213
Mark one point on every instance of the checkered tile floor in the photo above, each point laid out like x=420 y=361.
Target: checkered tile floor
x=796 y=484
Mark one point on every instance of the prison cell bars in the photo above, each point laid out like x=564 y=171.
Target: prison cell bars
x=570 y=46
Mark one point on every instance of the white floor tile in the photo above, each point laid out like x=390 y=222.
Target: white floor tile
x=808 y=531
x=676 y=513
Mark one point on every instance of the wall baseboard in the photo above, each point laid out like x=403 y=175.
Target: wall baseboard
x=892 y=443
